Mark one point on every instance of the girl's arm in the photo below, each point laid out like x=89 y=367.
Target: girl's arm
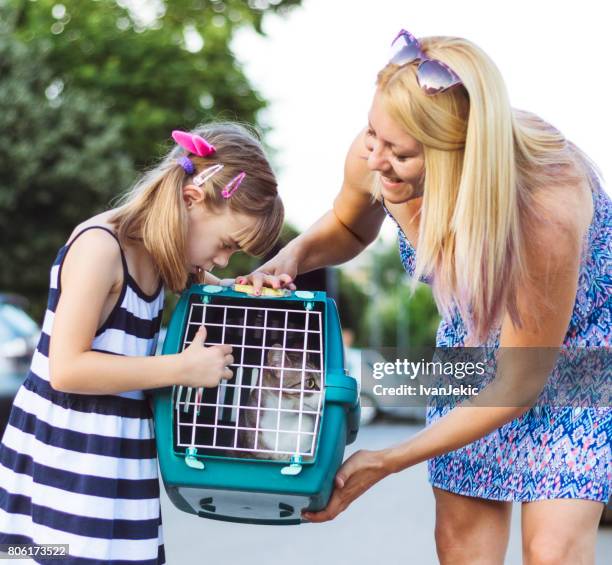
x=92 y=269
x=341 y=234
x=521 y=375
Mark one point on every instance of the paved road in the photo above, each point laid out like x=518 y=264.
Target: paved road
x=392 y=524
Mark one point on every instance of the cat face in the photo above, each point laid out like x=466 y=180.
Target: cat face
x=294 y=426
x=297 y=379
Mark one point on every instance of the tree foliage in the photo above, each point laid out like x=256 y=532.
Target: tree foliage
x=58 y=162
x=166 y=66
x=90 y=91
x=394 y=317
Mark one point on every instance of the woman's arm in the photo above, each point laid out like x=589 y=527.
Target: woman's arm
x=91 y=270
x=554 y=263
x=342 y=233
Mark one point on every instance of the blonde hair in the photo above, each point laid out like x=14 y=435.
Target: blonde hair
x=154 y=211
x=483 y=162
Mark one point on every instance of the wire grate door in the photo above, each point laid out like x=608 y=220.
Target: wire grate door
x=272 y=406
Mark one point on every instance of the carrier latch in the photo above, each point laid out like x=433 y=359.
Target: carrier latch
x=191 y=460
x=294 y=467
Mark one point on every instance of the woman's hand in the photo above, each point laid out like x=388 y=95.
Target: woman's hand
x=278 y=272
x=201 y=366
x=357 y=474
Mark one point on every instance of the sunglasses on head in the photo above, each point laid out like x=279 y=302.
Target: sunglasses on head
x=433 y=76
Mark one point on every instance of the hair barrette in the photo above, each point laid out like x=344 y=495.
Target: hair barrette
x=232 y=186
x=207 y=173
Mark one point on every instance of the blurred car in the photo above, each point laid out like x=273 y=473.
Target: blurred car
x=372 y=405
x=19 y=335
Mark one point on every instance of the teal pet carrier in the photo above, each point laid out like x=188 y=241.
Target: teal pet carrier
x=265 y=445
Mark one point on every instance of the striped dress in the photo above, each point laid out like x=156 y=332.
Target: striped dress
x=82 y=469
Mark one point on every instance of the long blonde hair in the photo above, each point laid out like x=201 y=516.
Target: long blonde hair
x=154 y=211
x=483 y=162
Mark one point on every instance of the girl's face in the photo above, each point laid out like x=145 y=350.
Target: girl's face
x=397 y=156
x=210 y=241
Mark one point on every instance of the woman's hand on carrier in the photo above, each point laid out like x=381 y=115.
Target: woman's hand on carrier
x=278 y=272
x=357 y=474
x=202 y=366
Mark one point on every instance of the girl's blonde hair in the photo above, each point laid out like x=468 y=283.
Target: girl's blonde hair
x=483 y=163
x=154 y=211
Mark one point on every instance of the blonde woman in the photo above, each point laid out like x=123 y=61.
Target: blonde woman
x=507 y=221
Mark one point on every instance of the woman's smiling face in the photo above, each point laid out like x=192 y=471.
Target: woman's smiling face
x=396 y=155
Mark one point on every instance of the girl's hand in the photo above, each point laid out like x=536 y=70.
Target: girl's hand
x=279 y=272
x=358 y=473
x=202 y=366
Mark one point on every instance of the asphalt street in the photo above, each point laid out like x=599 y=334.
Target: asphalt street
x=391 y=524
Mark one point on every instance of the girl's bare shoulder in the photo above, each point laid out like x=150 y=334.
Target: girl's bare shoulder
x=95 y=247
x=102 y=220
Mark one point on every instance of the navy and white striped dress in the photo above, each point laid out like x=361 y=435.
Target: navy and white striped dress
x=82 y=469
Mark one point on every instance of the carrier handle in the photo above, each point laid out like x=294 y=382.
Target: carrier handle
x=265 y=291
x=340 y=388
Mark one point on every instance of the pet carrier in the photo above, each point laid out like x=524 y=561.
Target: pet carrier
x=265 y=445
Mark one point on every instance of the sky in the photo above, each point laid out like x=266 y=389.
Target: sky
x=317 y=67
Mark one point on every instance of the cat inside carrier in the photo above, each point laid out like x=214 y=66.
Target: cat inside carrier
x=266 y=444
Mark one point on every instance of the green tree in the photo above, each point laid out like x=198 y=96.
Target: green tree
x=398 y=312
x=89 y=92
x=57 y=159
x=352 y=306
x=393 y=314
x=165 y=67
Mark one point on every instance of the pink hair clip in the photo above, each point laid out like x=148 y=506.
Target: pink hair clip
x=232 y=186
x=207 y=173
x=193 y=143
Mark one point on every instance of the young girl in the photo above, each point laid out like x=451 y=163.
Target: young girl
x=77 y=460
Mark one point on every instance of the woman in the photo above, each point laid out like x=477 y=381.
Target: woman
x=507 y=221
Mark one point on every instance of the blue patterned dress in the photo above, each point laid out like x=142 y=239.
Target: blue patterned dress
x=549 y=452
